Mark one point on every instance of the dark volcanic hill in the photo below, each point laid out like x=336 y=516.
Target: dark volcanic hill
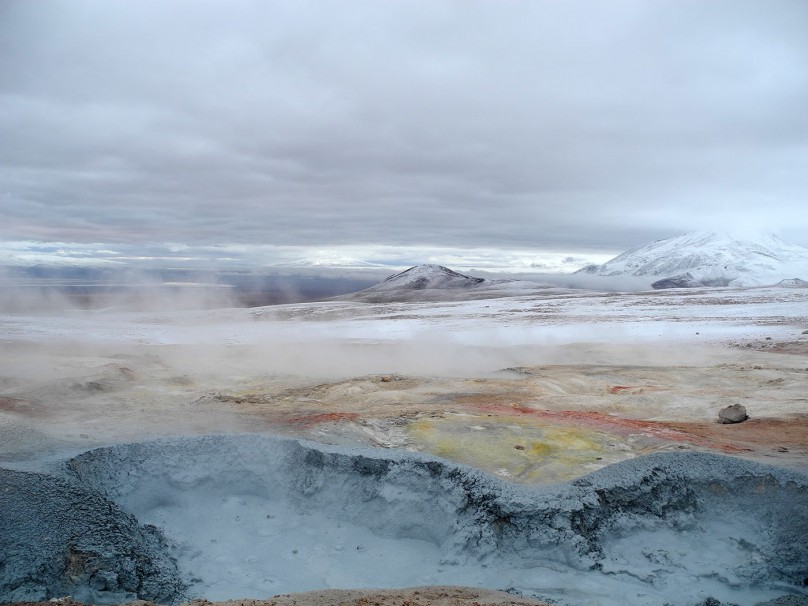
x=427 y=276
x=439 y=283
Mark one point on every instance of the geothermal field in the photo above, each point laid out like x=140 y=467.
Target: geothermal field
x=559 y=445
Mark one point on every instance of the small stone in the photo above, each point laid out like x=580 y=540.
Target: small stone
x=768 y=338
x=519 y=447
x=732 y=414
x=805 y=332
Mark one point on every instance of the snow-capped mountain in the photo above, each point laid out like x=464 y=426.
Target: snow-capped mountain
x=428 y=276
x=709 y=259
x=438 y=283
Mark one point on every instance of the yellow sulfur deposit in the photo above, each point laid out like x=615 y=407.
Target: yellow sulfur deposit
x=523 y=450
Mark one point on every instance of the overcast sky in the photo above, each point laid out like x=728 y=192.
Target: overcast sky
x=366 y=128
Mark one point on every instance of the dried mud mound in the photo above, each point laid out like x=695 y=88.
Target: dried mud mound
x=254 y=516
x=60 y=539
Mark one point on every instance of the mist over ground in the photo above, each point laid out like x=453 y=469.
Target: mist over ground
x=54 y=288
x=42 y=288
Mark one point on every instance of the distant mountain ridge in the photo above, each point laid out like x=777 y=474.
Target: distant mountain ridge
x=709 y=259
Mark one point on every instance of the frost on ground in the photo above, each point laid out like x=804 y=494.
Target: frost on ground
x=252 y=516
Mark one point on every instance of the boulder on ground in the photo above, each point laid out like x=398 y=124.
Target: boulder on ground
x=732 y=414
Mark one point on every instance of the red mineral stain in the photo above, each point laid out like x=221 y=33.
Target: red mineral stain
x=325 y=417
x=22 y=407
x=616 y=425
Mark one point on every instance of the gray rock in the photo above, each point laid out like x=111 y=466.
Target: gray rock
x=732 y=414
x=681 y=281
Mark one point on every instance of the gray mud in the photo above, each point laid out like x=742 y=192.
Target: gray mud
x=254 y=516
x=57 y=539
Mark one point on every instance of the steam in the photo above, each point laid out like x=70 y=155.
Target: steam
x=54 y=289
x=98 y=289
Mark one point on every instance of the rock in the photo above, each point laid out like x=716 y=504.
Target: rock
x=805 y=332
x=681 y=281
x=732 y=414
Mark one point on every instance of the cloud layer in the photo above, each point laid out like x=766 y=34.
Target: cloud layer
x=578 y=125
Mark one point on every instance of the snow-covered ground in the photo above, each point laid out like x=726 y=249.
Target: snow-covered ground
x=718 y=315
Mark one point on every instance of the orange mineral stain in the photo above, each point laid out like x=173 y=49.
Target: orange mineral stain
x=618 y=425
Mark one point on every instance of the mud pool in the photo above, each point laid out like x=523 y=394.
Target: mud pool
x=252 y=516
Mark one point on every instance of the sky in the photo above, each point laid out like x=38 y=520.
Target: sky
x=532 y=134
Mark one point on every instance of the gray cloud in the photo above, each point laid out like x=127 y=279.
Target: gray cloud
x=583 y=124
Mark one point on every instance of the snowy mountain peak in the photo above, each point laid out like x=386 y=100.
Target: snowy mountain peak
x=428 y=276
x=710 y=259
